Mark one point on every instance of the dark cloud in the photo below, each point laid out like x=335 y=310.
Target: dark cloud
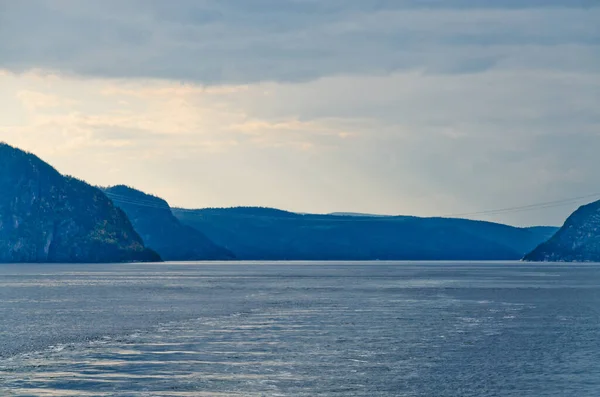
x=215 y=41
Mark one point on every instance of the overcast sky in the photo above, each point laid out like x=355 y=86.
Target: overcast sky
x=424 y=107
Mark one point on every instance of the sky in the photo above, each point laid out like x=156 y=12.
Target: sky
x=420 y=107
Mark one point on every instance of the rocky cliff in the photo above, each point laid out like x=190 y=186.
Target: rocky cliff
x=577 y=241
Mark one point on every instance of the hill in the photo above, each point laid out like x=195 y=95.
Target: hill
x=48 y=217
x=160 y=230
x=269 y=234
x=578 y=240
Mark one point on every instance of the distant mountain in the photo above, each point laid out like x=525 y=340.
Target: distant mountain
x=577 y=241
x=152 y=219
x=270 y=234
x=356 y=214
x=48 y=217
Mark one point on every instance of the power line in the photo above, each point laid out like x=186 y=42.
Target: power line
x=141 y=202
x=542 y=205
x=500 y=211
x=129 y=198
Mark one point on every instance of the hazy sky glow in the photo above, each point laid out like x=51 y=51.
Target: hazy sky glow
x=427 y=107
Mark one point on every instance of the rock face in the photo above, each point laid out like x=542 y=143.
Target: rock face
x=48 y=217
x=271 y=234
x=577 y=241
x=153 y=220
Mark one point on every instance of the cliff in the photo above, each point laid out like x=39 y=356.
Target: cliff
x=577 y=241
x=48 y=217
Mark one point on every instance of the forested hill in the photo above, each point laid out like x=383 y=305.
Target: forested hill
x=264 y=233
x=48 y=217
x=152 y=219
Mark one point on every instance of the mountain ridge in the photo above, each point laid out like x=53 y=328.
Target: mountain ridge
x=272 y=234
x=49 y=217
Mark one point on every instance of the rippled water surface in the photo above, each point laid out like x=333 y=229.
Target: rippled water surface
x=300 y=329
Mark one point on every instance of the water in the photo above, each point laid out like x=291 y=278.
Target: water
x=299 y=329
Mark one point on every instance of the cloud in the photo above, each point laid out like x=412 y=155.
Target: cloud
x=408 y=142
x=34 y=100
x=240 y=42
x=149 y=115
